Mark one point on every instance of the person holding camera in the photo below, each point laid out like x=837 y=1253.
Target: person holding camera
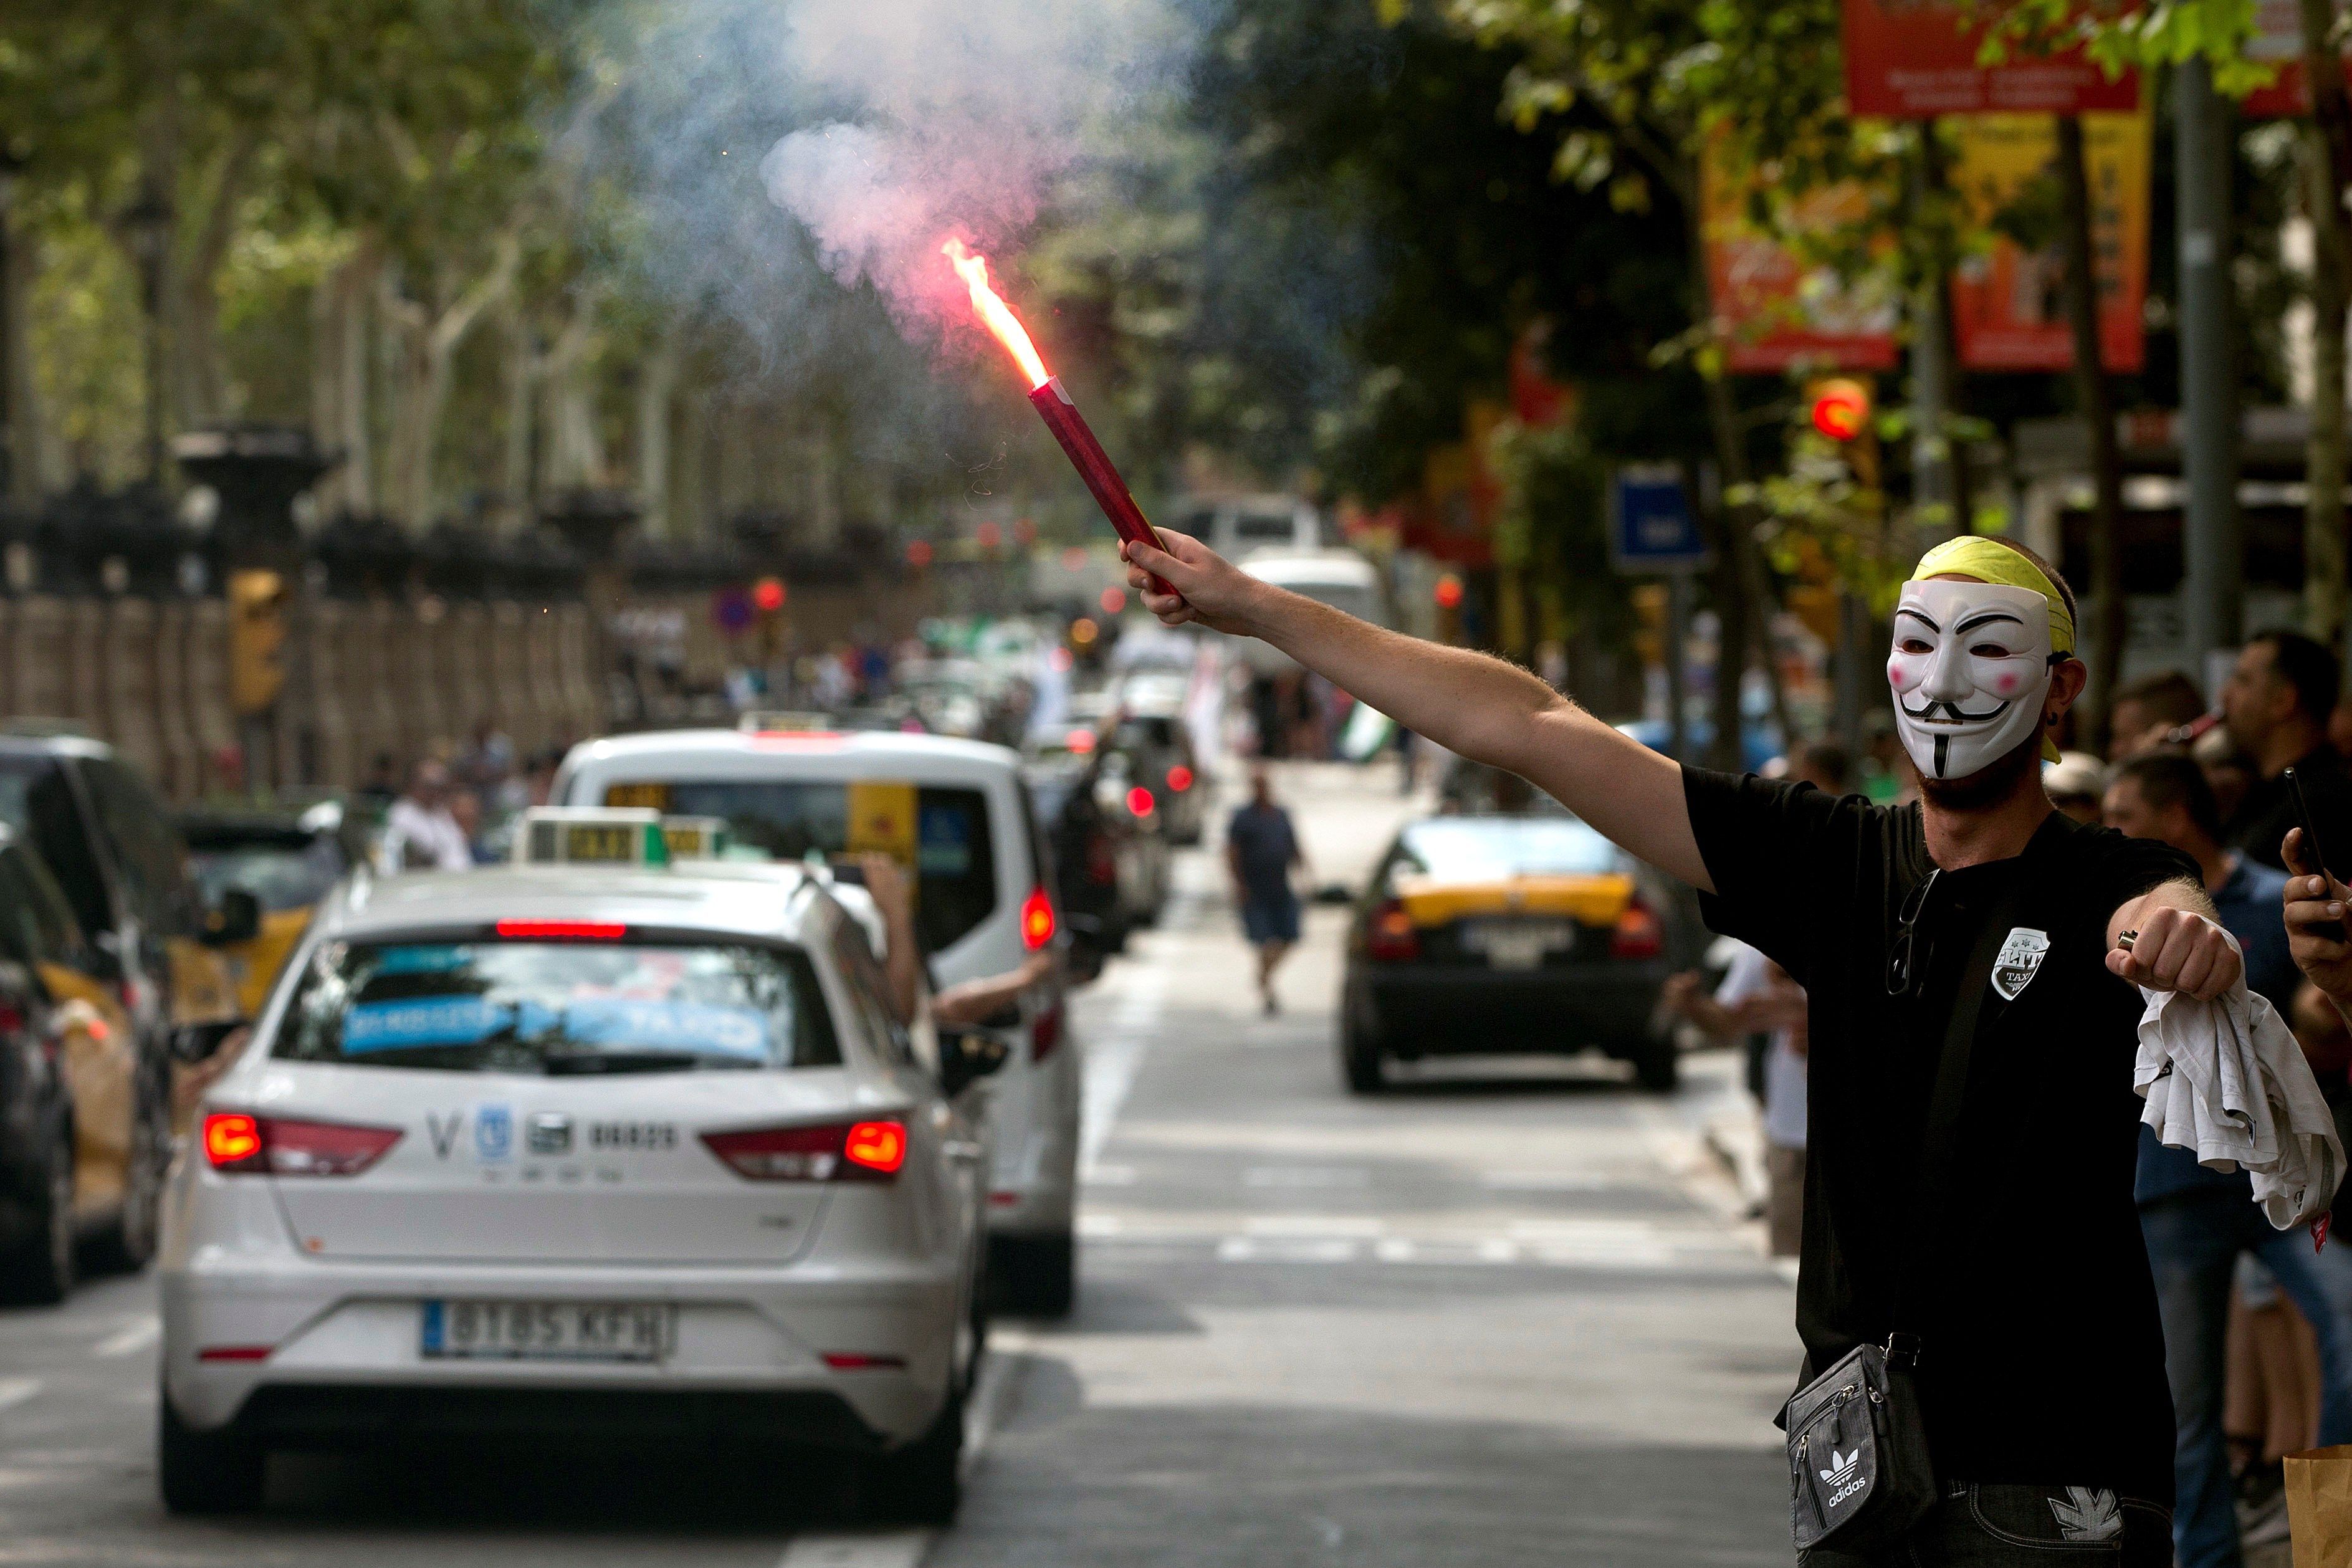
x=1983 y=1379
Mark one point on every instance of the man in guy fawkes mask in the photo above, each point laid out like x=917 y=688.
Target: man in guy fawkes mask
x=1974 y=942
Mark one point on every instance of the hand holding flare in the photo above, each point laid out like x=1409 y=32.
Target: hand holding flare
x=1053 y=406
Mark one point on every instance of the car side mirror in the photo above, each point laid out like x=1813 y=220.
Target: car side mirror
x=1334 y=893
x=235 y=917
x=967 y=1055
x=193 y=1043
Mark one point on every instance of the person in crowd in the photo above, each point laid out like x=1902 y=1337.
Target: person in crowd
x=1757 y=997
x=1261 y=849
x=1886 y=917
x=382 y=786
x=2163 y=796
x=2148 y=711
x=420 y=834
x=2276 y=705
x=465 y=811
x=2199 y=1222
x=2077 y=783
x=2227 y=771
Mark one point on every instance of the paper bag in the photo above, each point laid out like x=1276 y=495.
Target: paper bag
x=2319 y=1507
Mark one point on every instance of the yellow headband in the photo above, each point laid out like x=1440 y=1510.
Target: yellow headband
x=1990 y=560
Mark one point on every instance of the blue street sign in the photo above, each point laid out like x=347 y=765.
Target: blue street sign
x=1652 y=527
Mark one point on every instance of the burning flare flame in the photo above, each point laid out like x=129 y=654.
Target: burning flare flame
x=994 y=312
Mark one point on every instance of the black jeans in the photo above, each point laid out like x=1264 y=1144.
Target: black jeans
x=2004 y=1526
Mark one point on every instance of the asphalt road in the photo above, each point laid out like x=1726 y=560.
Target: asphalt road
x=1503 y=1315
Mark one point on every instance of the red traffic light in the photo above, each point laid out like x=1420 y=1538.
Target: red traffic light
x=918 y=553
x=1840 y=408
x=768 y=595
x=1449 y=592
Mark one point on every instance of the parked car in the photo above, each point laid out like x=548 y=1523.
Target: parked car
x=152 y=970
x=288 y=861
x=959 y=812
x=1513 y=934
x=1101 y=857
x=600 y=1153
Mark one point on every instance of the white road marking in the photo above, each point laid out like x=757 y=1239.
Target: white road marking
x=131 y=1339
x=876 y=1549
x=1111 y=1066
x=1543 y=1181
x=15 y=1390
x=1110 y=1176
x=1307 y=1176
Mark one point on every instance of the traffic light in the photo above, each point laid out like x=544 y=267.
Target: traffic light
x=768 y=595
x=257 y=640
x=1840 y=407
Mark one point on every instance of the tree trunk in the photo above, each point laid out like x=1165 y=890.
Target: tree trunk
x=340 y=365
x=202 y=376
x=519 y=354
x=2096 y=400
x=428 y=341
x=574 y=454
x=2327 y=146
x=17 y=266
x=657 y=393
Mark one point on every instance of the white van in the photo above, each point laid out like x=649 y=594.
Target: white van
x=1237 y=526
x=1340 y=578
x=959 y=811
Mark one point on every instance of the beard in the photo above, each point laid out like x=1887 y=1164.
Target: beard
x=1992 y=783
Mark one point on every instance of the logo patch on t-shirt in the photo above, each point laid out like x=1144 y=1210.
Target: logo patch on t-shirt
x=2022 y=953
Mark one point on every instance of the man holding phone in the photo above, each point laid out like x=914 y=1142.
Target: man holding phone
x=2030 y=1331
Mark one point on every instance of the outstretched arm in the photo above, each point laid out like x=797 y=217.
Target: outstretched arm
x=1483 y=707
x=2176 y=943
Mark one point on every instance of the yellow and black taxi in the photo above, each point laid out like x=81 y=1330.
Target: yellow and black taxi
x=143 y=981
x=288 y=860
x=1518 y=934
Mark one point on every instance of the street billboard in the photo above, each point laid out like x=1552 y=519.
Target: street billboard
x=1916 y=60
x=2277 y=43
x=2009 y=310
x=1772 y=312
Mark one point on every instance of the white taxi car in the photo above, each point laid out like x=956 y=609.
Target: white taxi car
x=956 y=812
x=565 y=1150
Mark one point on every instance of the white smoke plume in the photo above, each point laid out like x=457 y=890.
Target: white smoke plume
x=957 y=118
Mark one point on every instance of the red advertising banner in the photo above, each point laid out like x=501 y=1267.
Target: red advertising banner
x=1773 y=313
x=2008 y=302
x=2277 y=42
x=1914 y=59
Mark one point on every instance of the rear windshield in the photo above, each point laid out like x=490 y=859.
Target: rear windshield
x=289 y=873
x=943 y=832
x=557 y=1008
x=1473 y=847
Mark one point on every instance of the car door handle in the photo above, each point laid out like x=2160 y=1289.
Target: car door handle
x=963 y=1148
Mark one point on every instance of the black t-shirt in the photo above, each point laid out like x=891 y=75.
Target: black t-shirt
x=2043 y=1356
x=1264 y=845
x=2259 y=825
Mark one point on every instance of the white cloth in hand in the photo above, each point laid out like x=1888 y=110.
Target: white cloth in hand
x=2226 y=1079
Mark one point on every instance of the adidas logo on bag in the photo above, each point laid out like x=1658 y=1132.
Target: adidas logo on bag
x=1841 y=1475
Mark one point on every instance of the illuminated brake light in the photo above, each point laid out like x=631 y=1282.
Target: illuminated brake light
x=233 y=1140
x=1037 y=920
x=1180 y=778
x=1140 y=801
x=1638 y=933
x=836 y=1152
x=561 y=931
x=877 y=1146
x=234 y=1352
x=1081 y=742
x=854 y=1361
x=1391 y=936
x=239 y=1143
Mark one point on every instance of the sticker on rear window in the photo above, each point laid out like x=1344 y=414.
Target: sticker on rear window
x=421 y=959
x=668 y=1025
x=439 y=1021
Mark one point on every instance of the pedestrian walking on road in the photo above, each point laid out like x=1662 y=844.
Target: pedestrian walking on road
x=1261 y=848
x=1970 y=963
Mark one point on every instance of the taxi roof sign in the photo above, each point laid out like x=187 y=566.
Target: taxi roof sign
x=776 y=722
x=607 y=836
x=695 y=837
